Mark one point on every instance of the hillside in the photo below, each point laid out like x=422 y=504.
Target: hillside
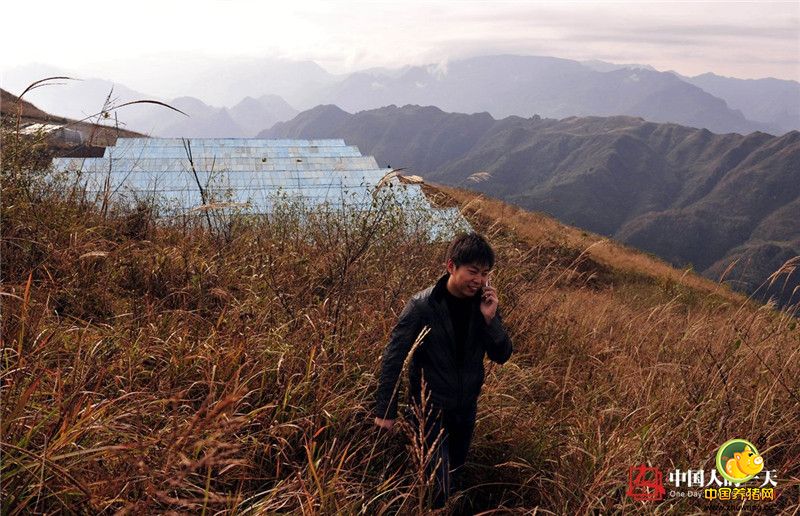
x=171 y=365
x=688 y=195
x=94 y=135
x=11 y=105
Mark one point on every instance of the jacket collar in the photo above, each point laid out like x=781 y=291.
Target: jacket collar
x=440 y=287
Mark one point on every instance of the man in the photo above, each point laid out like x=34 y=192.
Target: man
x=461 y=312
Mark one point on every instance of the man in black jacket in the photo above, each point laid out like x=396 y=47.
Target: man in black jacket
x=461 y=312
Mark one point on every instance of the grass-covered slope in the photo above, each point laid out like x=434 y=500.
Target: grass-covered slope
x=687 y=195
x=16 y=111
x=153 y=366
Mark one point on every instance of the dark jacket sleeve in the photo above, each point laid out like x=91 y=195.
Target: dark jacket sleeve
x=403 y=336
x=496 y=340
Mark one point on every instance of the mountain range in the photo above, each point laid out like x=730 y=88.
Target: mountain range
x=502 y=85
x=770 y=101
x=79 y=99
x=692 y=197
x=544 y=86
x=243 y=120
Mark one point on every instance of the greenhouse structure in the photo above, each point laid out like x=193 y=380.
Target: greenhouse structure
x=251 y=176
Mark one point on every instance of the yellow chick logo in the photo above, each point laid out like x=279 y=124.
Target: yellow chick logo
x=738 y=460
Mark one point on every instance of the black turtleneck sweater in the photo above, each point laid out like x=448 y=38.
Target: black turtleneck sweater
x=460 y=311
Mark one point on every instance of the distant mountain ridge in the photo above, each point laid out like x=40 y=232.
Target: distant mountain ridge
x=502 y=85
x=772 y=101
x=243 y=120
x=80 y=98
x=509 y=85
x=252 y=113
x=685 y=194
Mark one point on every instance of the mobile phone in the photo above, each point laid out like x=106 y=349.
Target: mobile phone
x=480 y=290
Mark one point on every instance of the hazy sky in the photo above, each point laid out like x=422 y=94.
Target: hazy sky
x=104 y=38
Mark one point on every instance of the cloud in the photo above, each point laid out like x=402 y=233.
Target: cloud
x=439 y=70
x=344 y=36
x=696 y=35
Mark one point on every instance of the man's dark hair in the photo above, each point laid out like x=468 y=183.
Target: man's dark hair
x=470 y=248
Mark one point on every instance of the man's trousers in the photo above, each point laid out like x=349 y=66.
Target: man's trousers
x=456 y=427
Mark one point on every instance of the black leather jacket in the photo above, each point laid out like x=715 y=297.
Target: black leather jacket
x=452 y=385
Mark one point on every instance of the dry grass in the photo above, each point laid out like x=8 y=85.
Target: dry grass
x=538 y=229
x=154 y=367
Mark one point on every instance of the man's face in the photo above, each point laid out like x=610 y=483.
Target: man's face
x=465 y=280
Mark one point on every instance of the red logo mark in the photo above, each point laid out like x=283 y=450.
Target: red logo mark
x=645 y=483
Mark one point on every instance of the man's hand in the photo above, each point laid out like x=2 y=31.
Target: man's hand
x=489 y=303
x=386 y=424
